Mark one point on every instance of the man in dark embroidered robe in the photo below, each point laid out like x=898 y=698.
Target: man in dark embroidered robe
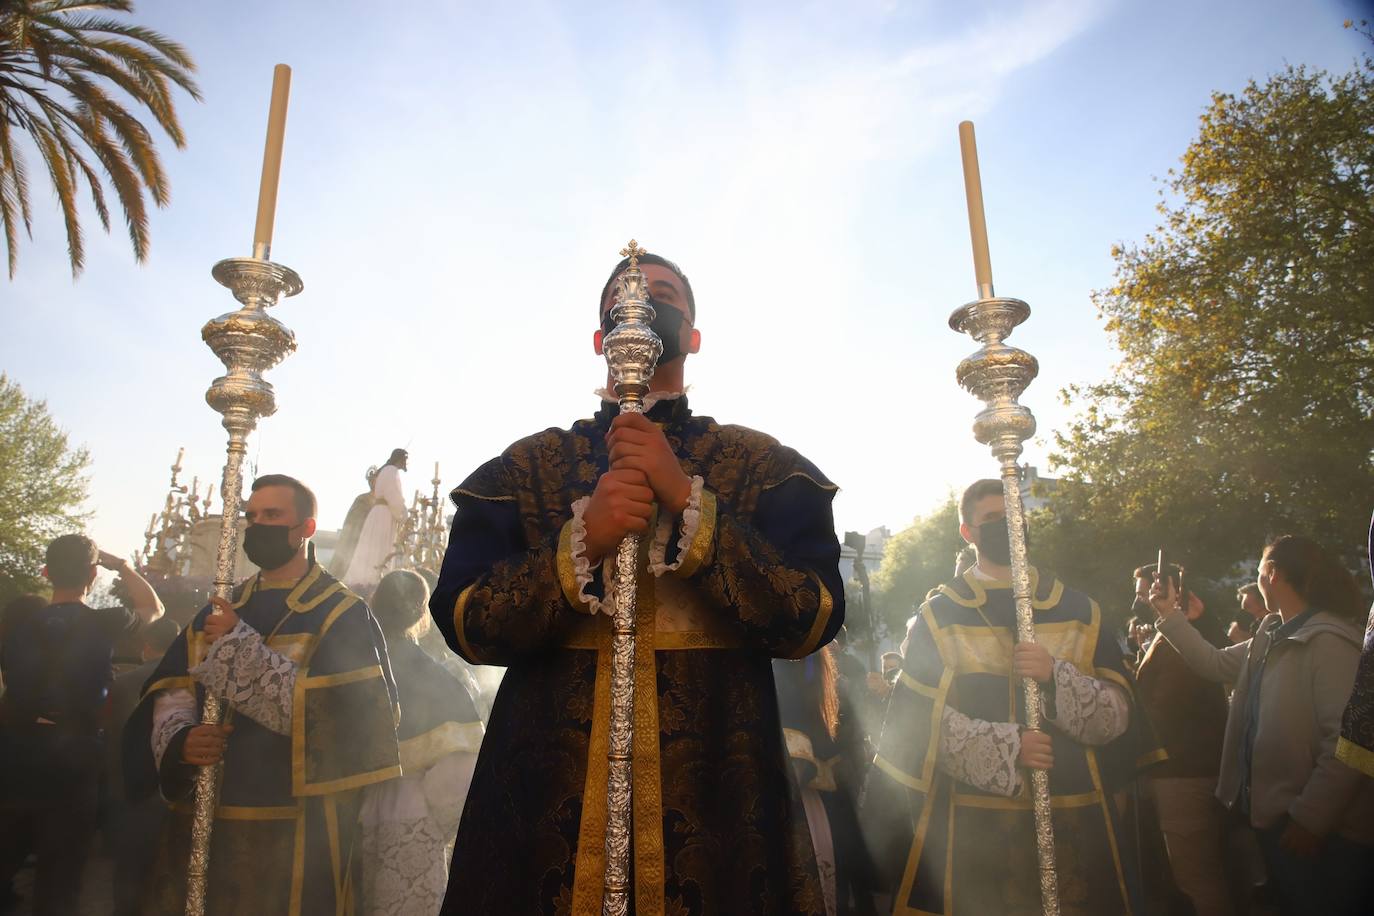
x=310 y=719
x=1355 y=747
x=951 y=774
x=741 y=566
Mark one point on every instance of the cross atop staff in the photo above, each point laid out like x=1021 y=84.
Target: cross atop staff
x=632 y=251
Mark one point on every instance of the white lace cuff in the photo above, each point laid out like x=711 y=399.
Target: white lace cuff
x=253 y=679
x=173 y=710
x=979 y=753
x=691 y=521
x=583 y=570
x=1086 y=709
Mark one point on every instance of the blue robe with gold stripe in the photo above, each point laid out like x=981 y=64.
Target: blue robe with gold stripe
x=963 y=851
x=718 y=827
x=286 y=827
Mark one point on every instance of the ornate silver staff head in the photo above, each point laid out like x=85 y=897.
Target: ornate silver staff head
x=997 y=374
x=632 y=348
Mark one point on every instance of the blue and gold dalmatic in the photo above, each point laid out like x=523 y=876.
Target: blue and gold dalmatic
x=285 y=832
x=717 y=828
x=972 y=852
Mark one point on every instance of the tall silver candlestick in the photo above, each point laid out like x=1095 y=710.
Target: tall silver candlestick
x=997 y=375
x=632 y=350
x=249 y=342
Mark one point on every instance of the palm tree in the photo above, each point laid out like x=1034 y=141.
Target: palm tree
x=68 y=73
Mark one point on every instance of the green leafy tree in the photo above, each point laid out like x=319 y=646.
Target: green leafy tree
x=42 y=486
x=1242 y=404
x=68 y=80
x=915 y=560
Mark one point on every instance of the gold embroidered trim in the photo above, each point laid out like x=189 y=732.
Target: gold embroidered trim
x=825 y=605
x=1107 y=823
x=424 y=750
x=701 y=541
x=589 y=872
x=459 y=491
x=567 y=575
x=169 y=683
x=918 y=843
x=646 y=769
x=459 y=611
x=347 y=677
x=298 y=864
x=828 y=487
x=923 y=782
x=1355 y=756
x=1150 y=758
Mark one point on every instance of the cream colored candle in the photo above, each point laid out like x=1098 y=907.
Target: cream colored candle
x=271 y=162
x=977 y=222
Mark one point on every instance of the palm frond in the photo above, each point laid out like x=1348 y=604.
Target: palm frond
x=59 y=59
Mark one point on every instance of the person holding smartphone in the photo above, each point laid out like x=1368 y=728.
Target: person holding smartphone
x=1313 y=814
x=58 y=668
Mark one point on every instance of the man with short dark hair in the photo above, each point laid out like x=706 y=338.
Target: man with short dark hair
x=309 y=720
x=951 y=779
x=741 y=565
x=1188 y=714
x=58 y=666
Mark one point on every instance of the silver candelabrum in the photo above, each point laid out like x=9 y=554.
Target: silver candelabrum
x=249 y=342
x=632 y=350
x=997 y=375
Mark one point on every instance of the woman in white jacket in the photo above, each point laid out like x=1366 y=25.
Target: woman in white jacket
x=1313 y=814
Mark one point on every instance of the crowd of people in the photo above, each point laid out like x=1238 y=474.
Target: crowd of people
x=778 y=767
x=350 y=736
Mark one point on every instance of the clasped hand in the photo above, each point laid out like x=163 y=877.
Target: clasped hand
x=643 y=471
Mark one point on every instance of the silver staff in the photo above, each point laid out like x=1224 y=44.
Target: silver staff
x=632 y=350
x=249 y=342
x=997 y=374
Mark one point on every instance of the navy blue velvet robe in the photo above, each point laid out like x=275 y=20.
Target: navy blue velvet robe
x=718 y=827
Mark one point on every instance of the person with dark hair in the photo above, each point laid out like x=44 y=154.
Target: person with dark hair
x=822 y=738
x=408 y=823
x=374 y=552
x=741 y=564
x=952 y=768
x=1249 y=612
x=1188 y=714
x=1314 y=815
x=58 y=668
x=302 y=670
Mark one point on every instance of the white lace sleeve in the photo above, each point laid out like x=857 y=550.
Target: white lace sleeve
x=691 y=520
x=1086 y=709
x=173 y=710
x=583 y=570
x=256 y=681
x=980 y=753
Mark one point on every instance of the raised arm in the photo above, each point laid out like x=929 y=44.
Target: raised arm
x=143 y=600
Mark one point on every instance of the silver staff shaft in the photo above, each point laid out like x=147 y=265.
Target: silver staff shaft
x=248 y=342
x=632 y=350
x=997 y=375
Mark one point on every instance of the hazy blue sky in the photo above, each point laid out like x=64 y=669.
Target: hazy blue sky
x=458 y=178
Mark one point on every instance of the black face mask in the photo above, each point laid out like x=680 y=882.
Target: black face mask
x=268 y=547
x=667 y=324
x=994 y=543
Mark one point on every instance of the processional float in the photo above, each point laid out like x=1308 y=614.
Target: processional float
x=249 y=342
x=997 y=374
x=632 y=350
